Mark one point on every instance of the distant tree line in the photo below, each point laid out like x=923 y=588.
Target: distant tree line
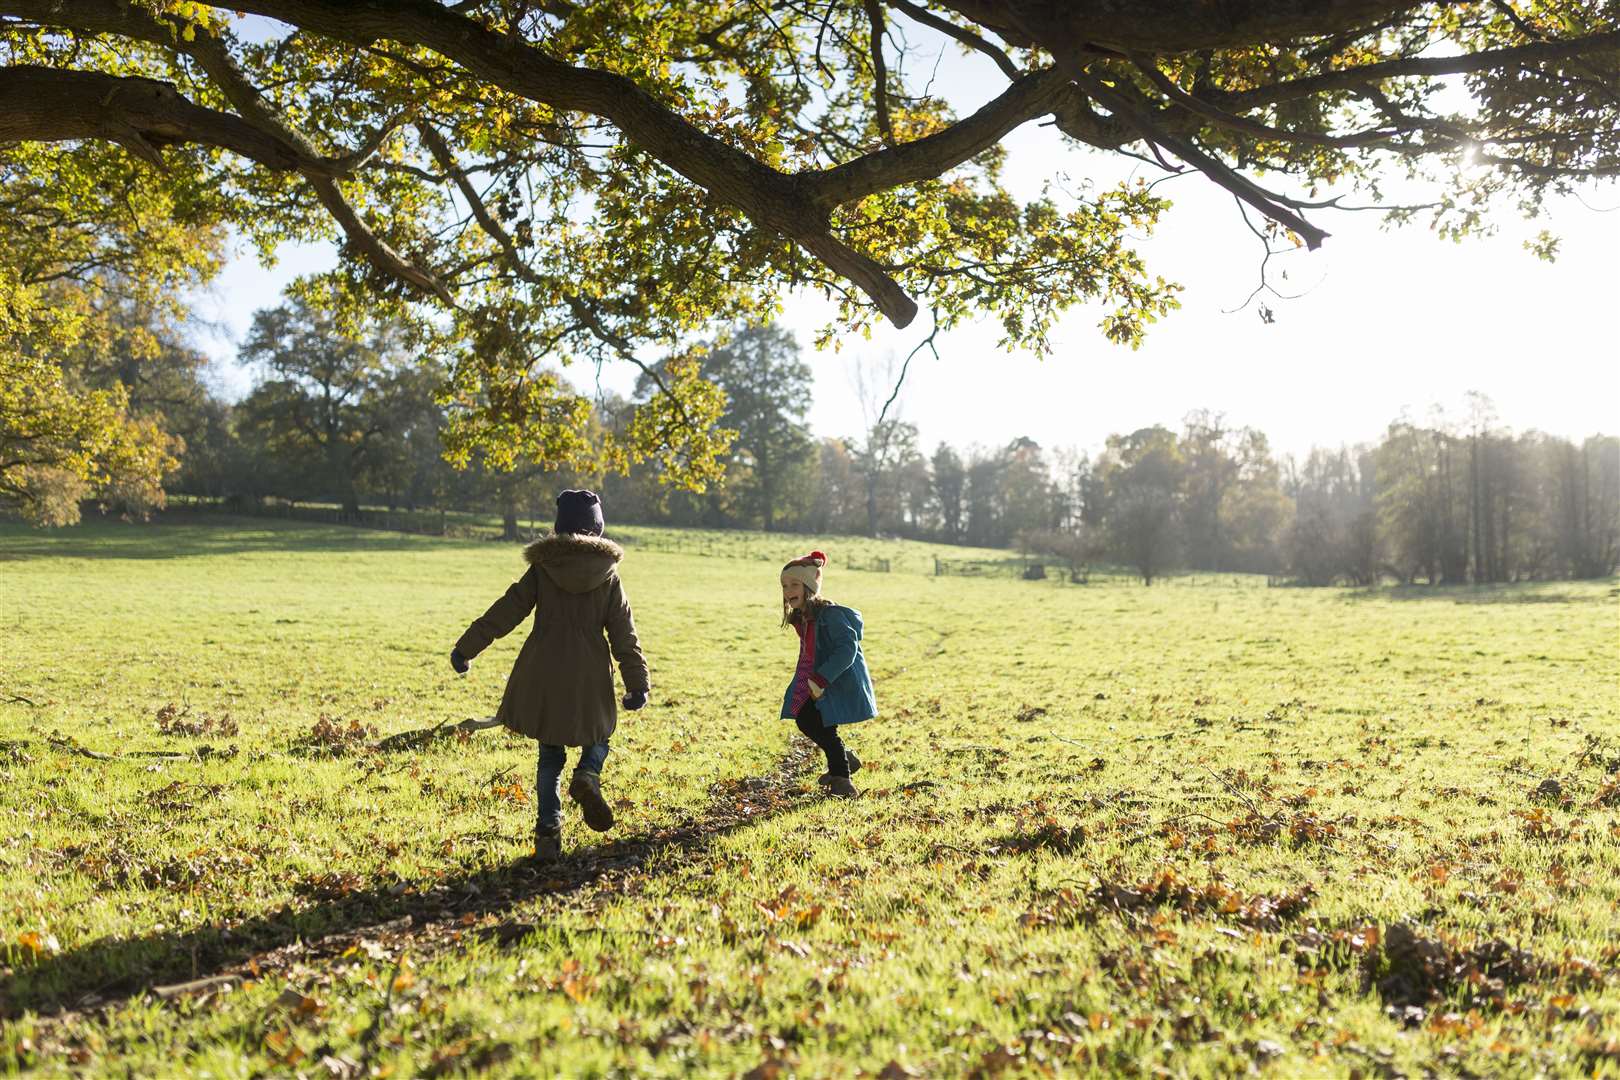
x=352 y=418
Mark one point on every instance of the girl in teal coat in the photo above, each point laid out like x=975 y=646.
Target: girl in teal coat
x=831 y=686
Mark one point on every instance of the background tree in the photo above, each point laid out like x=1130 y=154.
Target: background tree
x=1586 y=501
x=888 y=445
x=1031 y=501
x=1334 y=531
x=1209 y=450
x=86 y=237
x=840 y=500
x=950 y=485
x=986 y=498
x=330 y=396
x=1143 y=474
x=767 y=386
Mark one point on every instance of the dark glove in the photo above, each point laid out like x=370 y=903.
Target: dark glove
x=459 y=662
x=635 y=700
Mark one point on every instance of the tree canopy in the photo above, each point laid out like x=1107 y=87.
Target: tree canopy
x=537 y=183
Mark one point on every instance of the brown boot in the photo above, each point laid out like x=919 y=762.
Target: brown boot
x=547 y=845
x=854 y=767
x=586 y=789
x=840 y=788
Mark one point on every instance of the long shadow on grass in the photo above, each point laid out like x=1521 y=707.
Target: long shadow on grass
x=181 y=535
x=102 y=973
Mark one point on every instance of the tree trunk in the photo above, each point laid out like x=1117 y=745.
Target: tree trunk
x=767 y=490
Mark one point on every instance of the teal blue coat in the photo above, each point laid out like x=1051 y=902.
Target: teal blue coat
x=848 y=697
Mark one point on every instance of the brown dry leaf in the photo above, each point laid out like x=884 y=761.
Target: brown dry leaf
x=39 y=944
x=283 y=1048
x=769 y=1069
x=298 y=1004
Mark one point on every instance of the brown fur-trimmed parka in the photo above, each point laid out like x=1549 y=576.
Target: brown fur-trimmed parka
x=561 y=687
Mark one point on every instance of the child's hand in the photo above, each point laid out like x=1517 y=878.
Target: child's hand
x=459 y=662
x=635 y=700
x=816 y=692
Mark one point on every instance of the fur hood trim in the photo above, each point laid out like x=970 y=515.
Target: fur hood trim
x=560 y=545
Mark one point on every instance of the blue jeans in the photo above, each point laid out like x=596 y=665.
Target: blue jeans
x=549 y=777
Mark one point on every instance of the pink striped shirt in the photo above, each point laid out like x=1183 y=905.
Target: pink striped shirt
x=807 y=664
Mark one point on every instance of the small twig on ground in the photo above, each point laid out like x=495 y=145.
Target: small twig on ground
x=1229 y=786
x=62 y=742
x=212 y=982
x=18 y=697
x=1171 y=820
x=74 y=748
x=368 y=1041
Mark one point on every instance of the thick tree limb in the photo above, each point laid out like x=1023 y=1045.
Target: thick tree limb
x=213 y=56
x=1032 y=96
x=1167 y=26
x=40 y=104
x=1467 y=63
x=1210 y=111
x=770 y=198
x=957 y=33
x=799 y=206
x=1138 y=115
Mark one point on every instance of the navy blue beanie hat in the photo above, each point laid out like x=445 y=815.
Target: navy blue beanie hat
x=579 y=512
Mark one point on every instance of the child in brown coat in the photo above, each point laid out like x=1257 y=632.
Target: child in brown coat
x=561 y=687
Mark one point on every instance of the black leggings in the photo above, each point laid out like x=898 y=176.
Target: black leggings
x=813 y=728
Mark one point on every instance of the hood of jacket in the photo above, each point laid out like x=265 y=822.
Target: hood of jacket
x=575 y=562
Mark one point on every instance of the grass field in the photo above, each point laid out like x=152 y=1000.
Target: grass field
x=1165 y=831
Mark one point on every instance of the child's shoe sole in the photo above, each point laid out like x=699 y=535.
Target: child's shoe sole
x=586 y=790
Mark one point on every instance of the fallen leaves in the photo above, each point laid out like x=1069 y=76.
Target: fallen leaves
x=1299 y=828
x=1044 y=834
x=330 y=737
x=116 y=866
x=1166 y=890
x=786 y=908
x=511 y=792
x=177 y=722
x=1414 y=969
x=281 y=1046
x=404 y=975
x=1541 y=824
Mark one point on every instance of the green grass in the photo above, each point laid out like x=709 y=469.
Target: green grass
x=1169 y=830
x=901 y=556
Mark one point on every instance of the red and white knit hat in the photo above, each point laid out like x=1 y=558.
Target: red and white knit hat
x=806 y=570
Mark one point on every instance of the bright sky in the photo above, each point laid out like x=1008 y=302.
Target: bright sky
x=1391 y=321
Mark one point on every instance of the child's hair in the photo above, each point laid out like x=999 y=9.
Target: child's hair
x=813 y=605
